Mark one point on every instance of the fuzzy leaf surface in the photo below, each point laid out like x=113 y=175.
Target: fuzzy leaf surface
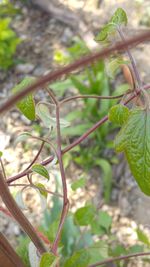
x=134 y=140
x=119 y=17
x=26 y=105
x=118 y=114
x=48 y=260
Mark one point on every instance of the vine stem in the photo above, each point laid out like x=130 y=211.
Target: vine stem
x=140 y=254
x=36 y=187
x=85 y=61
x=132 y=60
x=78 y=141
x=36 y=156
x=89 y=96
x=63 y=176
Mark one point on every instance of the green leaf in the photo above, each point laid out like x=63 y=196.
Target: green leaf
x=26 y=105
x=83 y=216
x=78 y=184
x=1 y=154
x=108 y=29
x=78 y=259
x=98 y=252
x=119 y=17
x=105 y=220
x=48 y=260
x=143 y=237
x=136 y=249
x=42 y=192
x=118 y=250
x=40 y=169
x=134 y=140
x=96 y=228
x=118 y=114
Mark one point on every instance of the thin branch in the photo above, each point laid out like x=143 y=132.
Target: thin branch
x=87 y=60
x=63 y=177
x=36 y=187
x=76 y=142
x=132 y=60
x=26 y=185
x=18 y=215
x=104 y=262
x=36 y=156
x=89 y=96
x=48 y=191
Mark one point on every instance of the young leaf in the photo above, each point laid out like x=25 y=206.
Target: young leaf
x=134 y=140
x=118 y=114
x=78 y=259
x=40 y=169
x=108 y=29
x=84 y=216
x=48 y=260
x=1 y=154
x=42 y=192
x=78 y=184
x=119 y=17
x=33 y=255
x=26 y=105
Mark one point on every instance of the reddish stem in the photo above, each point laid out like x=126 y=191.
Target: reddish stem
x=87 y=60
x=89 y=96
x=104 y=262
x=63 y=176
x=78 y=141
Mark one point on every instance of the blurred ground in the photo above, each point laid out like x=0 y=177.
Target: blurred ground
x=43 y=32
